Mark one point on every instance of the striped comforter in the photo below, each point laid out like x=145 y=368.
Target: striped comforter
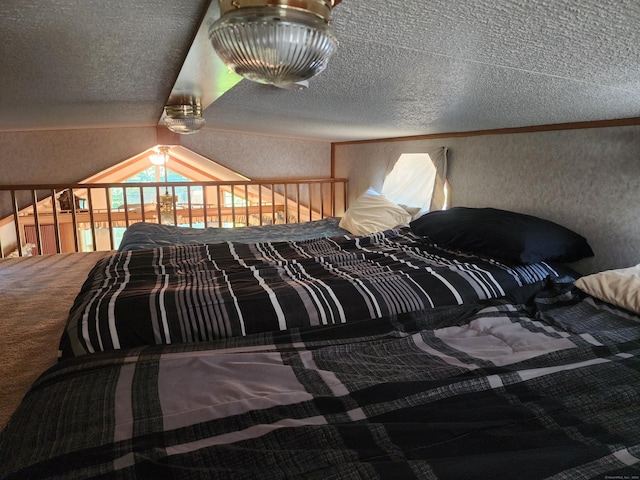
x=460 y=392
x=193 y=293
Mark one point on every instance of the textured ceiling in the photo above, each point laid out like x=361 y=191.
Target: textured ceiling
x=91 y=63
x=402 y=68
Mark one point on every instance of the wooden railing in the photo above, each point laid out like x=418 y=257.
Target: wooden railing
x=43 y=219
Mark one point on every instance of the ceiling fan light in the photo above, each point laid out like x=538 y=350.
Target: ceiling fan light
x=273 y=45
x=184 y=119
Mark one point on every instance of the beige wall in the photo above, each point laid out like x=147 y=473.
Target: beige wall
x=587 y=180
x=260 y=157
x=63 y=156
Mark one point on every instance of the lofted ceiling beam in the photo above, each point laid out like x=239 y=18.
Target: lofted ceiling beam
x=203 y=75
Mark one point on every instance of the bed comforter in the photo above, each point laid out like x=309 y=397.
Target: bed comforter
x=493 y=390
x=192 y=293
x=141 y=235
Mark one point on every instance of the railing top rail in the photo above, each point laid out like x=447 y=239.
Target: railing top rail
x=262 y=182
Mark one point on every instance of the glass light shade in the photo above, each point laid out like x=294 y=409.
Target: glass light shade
x=184 y=118
x=184 y=125
x=157 y=158
x=273 y=45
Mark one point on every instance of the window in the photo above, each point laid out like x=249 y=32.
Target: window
x=411 y=182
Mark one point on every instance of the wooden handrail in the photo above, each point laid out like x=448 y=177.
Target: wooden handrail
x=29 y=223
x=262 y=182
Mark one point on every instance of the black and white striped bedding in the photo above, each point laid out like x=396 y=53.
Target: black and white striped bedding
x=193 y=293
x=487 y=391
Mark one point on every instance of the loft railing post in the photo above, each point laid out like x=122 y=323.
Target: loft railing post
x=16 y=221
x=204 y=206
x=174 y=205
x=107 y=193
x=219 y=205
x=273 y=204
x=189 y=205
x=298 y=202
x=260 y=203
x=56 y=221
x=246 y=204
x=74 y=220
x=286 y=203
x=36 y=221
x=125 y=205
x=158 y=206
x=142 y=209
x=233 y=205
x=94 y=241
x=310 y=201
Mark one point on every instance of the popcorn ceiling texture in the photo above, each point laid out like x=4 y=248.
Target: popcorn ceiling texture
x=403 y=67
x=587 y=180
x=414 y=67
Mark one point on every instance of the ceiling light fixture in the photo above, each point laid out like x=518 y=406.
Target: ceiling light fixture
x=184 y=118
x=275 y=41
x=160 y=155
x=166 y=202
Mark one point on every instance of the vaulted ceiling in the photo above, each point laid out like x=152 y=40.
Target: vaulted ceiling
x=403 y=67
x=180 y=160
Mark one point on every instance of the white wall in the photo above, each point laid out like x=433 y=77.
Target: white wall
x=587 y=180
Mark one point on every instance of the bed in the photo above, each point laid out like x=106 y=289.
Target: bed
x=389 y=355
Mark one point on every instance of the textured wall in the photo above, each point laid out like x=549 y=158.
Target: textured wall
x=262 y=156
x=59 y=156
x=587 y=180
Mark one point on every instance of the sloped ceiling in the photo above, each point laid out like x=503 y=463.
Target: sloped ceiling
x=180 y=160
x=91 y=64
x=402 y=68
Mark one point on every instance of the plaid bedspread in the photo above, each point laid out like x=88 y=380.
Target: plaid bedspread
x=460 y=392
x=192 y=293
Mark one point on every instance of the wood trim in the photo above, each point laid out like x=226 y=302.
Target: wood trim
x=191 y=168
x=620 y=122
x=333 y=161
x=134 y=216
x=261 y=182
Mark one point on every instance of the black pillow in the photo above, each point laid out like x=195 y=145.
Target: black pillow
x=503 y=235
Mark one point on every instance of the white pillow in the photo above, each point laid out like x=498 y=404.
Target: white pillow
x=619 y=287
x=371 y=213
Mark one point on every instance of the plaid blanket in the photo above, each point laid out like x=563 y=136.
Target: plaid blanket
x=454 y=392
x=192 y=293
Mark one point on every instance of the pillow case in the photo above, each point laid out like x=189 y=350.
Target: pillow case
x=371 y=213
x=619 y=287
x=504 y=235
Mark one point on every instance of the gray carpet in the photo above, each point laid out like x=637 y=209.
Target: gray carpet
x=36 y=294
